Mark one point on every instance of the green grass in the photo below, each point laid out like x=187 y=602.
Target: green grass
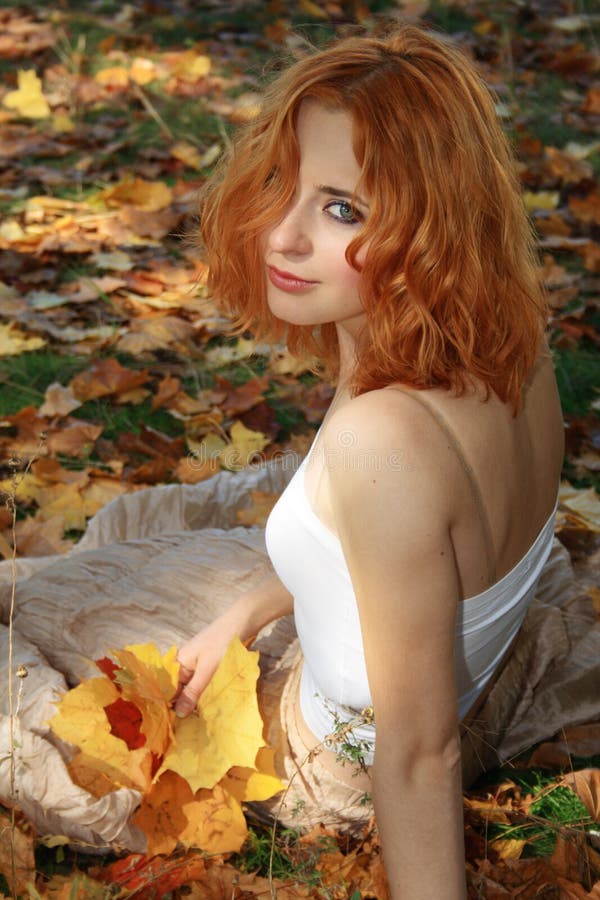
x=127 y=418
x=541 y=104
x=24 y=378
x=578 y=377
x=557 y=807
x=448 y=17
x=290 y=861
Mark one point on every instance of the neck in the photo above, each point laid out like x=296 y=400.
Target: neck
x=347 y=353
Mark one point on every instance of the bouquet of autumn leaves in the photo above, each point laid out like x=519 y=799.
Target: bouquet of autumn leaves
x=193 y=773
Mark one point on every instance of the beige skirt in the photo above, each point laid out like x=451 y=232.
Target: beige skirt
x=321 y=789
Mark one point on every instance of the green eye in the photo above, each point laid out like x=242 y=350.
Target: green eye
x=342 y=211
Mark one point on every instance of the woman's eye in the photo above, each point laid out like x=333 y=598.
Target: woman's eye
x=342 y=211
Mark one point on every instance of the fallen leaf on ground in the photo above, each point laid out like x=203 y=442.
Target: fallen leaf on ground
x=13 y=341
x=16 y=847
x=244 y=447
x=105 y=377
x=149 y=196
x=586 y=784
x=259 y=511
x=28 y=100
x=58 y=401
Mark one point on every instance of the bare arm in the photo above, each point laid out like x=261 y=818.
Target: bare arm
x=393 y=523
x=200 y=656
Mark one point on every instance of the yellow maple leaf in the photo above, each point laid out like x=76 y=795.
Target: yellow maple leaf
x=216 y=822
x=211 y=761
x=244 y=447
x=80 y=719
x=191 y=67
x=28 y=487
x=143 y=70
x=187 y=153
x=28 y=99
x=257 y=783
x=62 y=500
x=62 y=123
x=227 y=731
x=13 y=341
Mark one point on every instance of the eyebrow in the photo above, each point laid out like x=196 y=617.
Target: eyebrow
x=340 y=192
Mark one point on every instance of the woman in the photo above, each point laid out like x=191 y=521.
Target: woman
x=371 y=215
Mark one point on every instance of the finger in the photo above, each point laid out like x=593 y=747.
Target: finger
x=185 y=673
x=187 y=700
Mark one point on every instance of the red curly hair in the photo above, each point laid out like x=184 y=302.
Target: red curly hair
x=449 y=284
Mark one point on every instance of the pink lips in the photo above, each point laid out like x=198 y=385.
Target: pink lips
x=285 y=281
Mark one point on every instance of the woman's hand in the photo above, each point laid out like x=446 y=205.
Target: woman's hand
x=199 y=658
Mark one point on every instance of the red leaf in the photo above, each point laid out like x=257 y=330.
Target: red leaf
x=107 y=667
x=125 y=721
x=151 y=878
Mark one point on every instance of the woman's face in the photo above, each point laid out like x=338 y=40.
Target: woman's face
x=309 y=281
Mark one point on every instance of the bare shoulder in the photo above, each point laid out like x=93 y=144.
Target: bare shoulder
x=386 y=441
x=381 y=418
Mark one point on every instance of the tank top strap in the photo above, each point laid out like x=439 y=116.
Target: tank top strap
x=466 y=466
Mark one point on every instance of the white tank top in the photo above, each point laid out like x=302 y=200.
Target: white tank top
x=309 y=560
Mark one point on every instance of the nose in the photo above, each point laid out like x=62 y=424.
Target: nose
x=290 y=236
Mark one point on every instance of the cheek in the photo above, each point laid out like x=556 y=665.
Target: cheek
x=352 y=276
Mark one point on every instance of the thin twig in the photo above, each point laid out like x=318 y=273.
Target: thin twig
x=150 y=108
x=11 y=503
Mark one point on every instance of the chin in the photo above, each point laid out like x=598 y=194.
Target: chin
x=293 y=316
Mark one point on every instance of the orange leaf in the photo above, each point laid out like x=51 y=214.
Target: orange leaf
x=586 y=784
x=154 y=224
x=113 y=77
x=161 y=815
x=216 y=822
x=38 y=536
x=258 y=513
x=167 y=389
x=105 y=377
x=19 y=842
x=149 y=681
x=75 y=438
x=149 y=196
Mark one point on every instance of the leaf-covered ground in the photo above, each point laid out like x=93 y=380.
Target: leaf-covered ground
x=116 y=371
